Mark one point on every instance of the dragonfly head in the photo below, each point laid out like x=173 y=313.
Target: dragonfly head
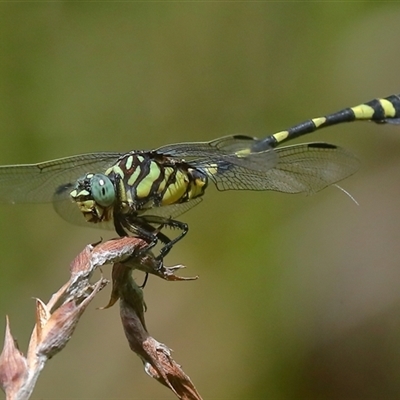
x=95 y=196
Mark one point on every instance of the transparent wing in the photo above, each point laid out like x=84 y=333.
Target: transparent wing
x=245 y=152
x=71 y=213
x=173 y=210
x=307 y=168
x=223 y=145
x=49 y=181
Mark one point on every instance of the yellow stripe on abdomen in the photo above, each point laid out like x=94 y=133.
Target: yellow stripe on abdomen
x=363 y=111
x=388 y=107
x=319 y=121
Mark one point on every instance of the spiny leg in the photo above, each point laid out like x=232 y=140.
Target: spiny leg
x=146 y=233
x=143 y=226
x=164 y=222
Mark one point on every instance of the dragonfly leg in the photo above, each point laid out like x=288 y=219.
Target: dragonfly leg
x=143 y=231
x=145 y=225
x=168 y=246
x=146 y=278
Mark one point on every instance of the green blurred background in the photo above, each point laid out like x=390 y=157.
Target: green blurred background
x=298 y=297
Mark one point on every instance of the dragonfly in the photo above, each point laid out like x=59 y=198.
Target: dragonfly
x=143 y=191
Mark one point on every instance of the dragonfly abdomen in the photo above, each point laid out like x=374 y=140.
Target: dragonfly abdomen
x=383 y=110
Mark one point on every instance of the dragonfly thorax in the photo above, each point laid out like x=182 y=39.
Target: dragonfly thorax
x=95 y=196
x=147 y=180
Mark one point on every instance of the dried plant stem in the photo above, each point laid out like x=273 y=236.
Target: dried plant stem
x=57 y=320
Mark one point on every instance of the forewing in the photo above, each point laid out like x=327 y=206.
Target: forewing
x=224 y=145
x=49 y=181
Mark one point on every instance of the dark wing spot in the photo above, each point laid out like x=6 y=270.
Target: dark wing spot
x=64 y=188
x=322 y=145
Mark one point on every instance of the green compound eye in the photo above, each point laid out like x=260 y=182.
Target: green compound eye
x=102 y=190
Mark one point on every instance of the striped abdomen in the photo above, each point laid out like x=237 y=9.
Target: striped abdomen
x=386 y=110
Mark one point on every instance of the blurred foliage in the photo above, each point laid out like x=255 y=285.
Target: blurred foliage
x=298 y=296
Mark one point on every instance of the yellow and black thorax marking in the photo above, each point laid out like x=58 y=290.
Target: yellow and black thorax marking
x=148 y=179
